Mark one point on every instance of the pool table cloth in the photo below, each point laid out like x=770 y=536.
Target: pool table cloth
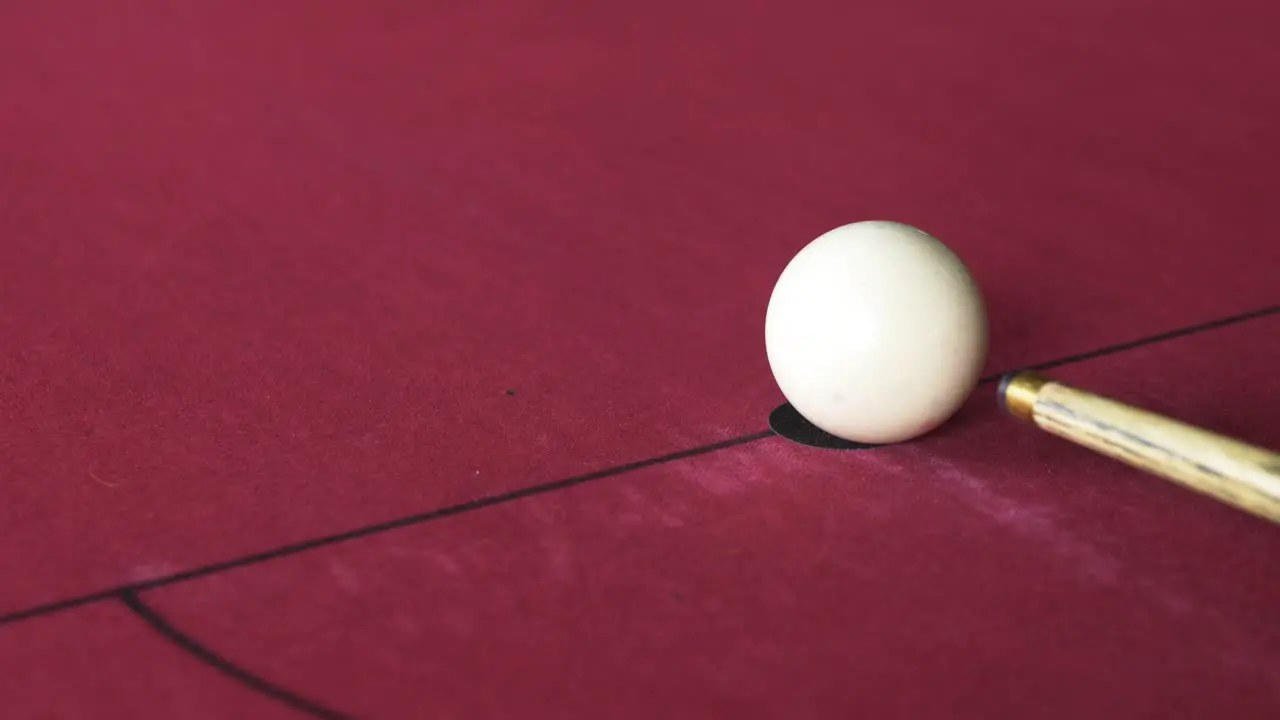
x=405 y=360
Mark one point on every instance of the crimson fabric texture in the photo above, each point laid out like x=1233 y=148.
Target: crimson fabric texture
x=271 y=273
x=986 y=571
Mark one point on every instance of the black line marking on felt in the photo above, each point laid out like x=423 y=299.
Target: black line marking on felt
x=185 y=642
x=1142 y=342
x=74 y=602
x=438 y=514
x=59 y=606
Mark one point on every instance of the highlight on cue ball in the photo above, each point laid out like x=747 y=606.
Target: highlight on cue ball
x=876 y=332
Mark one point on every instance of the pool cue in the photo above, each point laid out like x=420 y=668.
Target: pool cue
x=1231 y=471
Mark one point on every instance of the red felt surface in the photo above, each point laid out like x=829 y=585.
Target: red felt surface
x=267 y=272
x=940 y=579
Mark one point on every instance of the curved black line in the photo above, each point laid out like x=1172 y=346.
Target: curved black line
x=157 y=622
x=489 y=501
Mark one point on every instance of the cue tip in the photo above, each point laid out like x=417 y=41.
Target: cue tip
x=1018 y=391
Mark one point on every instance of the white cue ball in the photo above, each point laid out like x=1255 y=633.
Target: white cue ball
x=876 y=332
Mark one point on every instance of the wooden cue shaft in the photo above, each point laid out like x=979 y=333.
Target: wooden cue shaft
x=1233 y=472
